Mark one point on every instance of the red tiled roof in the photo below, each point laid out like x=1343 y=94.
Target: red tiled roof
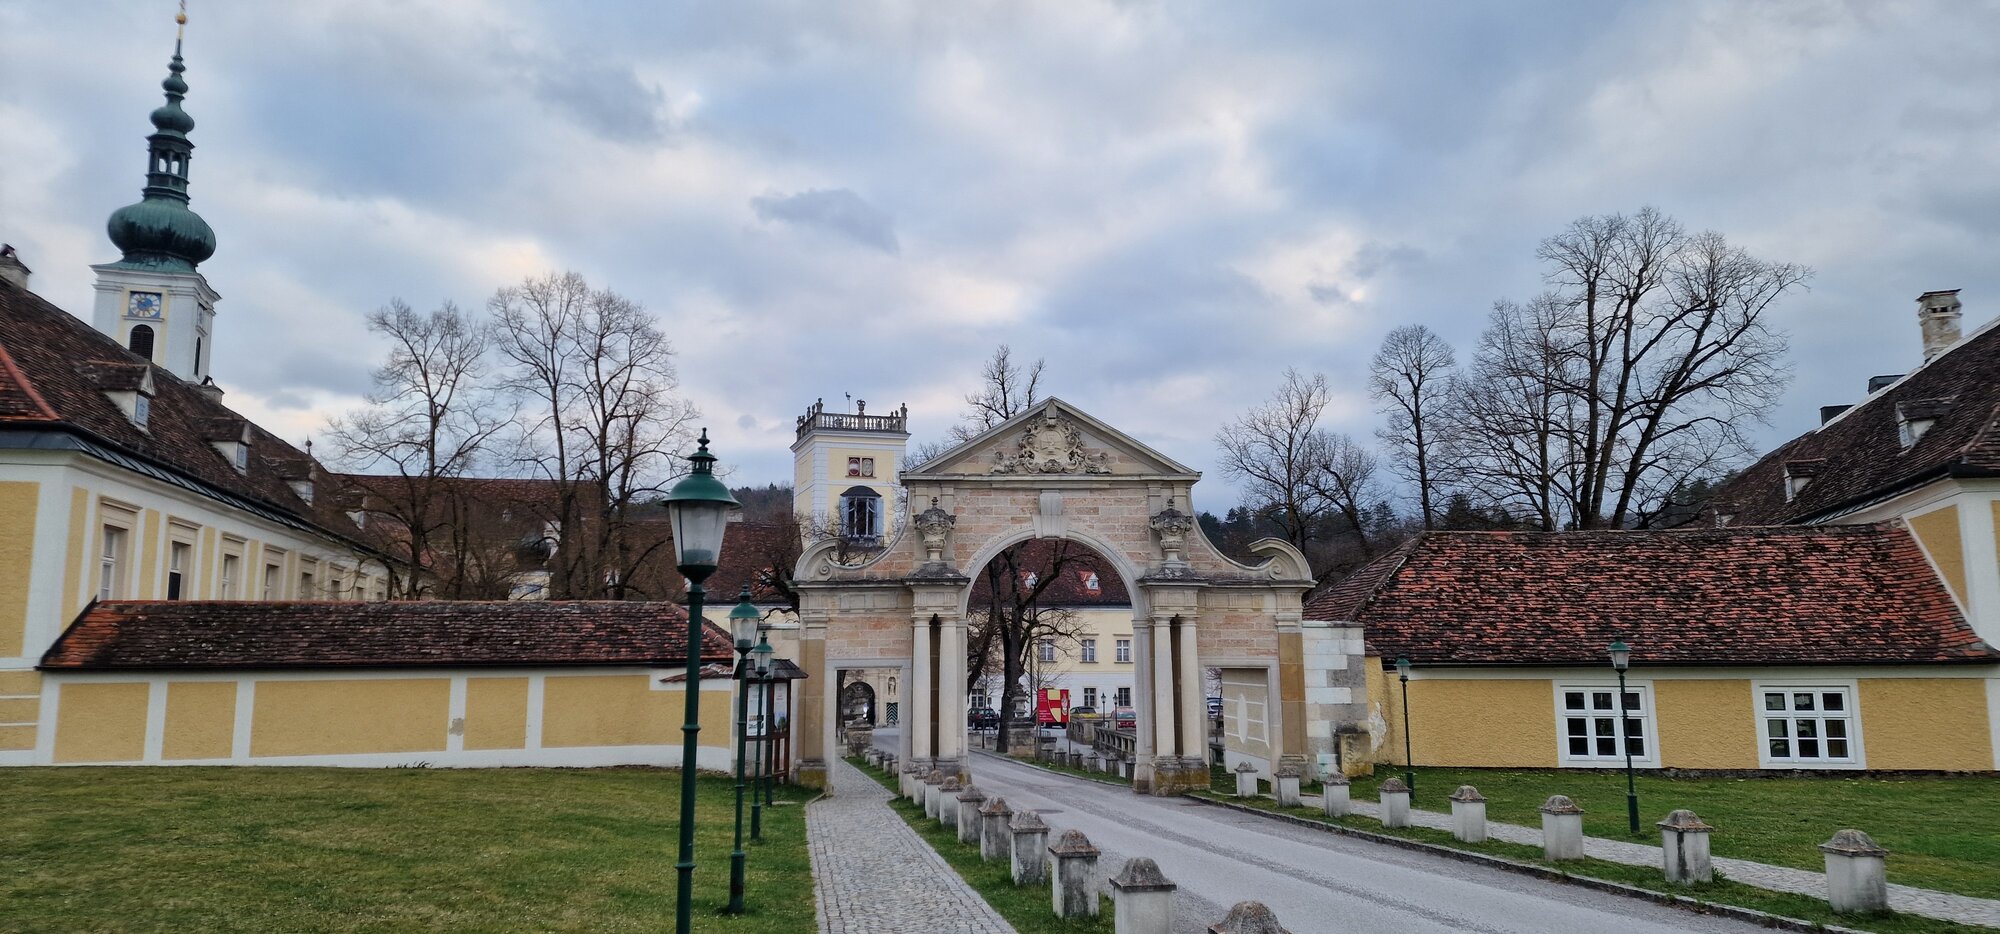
x=139 y=635
x=1082 y=568
x=55 y=371
x=1771 y=595
x=1861 y=452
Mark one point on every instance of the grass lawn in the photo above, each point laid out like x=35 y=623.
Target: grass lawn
x=1722 y=891
x=1027 y=908
x=1942 y=832
x=297 y=849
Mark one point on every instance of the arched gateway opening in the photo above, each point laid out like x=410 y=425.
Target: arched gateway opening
x=1056 y=475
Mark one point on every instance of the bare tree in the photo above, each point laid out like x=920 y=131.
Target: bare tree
x=598 y=383
x=1012 y=619
x=1276 y=449
x=1006 y=389
x=1410 y=379
x=429 y=422
x=1636 y=370
x=1344 y=477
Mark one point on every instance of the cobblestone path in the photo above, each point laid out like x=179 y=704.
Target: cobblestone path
x=872 y=874
x=1930 y=903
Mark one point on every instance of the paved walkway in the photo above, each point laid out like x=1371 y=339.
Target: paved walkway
x=1930 y=903
x=872 y=874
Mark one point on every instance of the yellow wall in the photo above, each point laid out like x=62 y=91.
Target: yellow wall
x=1938 y=530
x=79 y=510
x=201 y=720
x=1928 y=723
x=19 y=686
x=1515 y=723
x=17 y=547
x=1706 y=724
x=303 y=718
x=102 y=722
x=496 y=713
x=608 y=710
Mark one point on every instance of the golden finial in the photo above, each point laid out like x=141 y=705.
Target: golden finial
x=181 y=21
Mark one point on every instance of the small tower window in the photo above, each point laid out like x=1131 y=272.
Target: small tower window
x=861 y=515
x=141 y=340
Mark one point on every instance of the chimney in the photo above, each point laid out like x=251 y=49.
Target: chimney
x=1828 y=413
x=1879 y=383
x=1938 y=313
x=12 y=270
x=210 y=389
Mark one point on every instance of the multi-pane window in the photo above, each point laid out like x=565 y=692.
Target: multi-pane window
x=1595 y=728
x=1046 y=650
x=1090 y=650
x=979 y=699
x=1125 y=651
x=861 y=515
x=1808 y=724
x=1124 y=697
x=231 y=567
x=111 y=564
x=179 y=557
x=272 y=589
x=1089 y=697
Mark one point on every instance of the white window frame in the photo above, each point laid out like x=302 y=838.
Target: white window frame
x=1045 y=651
x=1090 y=653
x=179 y=584
x=114 y=561
x=1123 y=696
x=231 y=569
x=1090 y=697
x=1648 y=724
x=1124 y=650
x=272 y=586
x=1857 y=748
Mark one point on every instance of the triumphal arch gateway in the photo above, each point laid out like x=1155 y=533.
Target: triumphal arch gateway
x=1056 y=472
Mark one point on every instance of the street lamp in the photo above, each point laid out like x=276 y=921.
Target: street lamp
x=743 y=626
x=1621 y=659
x=760 y=664
x=698 y=514
x=1409 y=766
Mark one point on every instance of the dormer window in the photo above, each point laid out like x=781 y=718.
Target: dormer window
x=304 y=489
x=1914 y=417
x=142 y=409
x=1799 y=474
x=242 y=459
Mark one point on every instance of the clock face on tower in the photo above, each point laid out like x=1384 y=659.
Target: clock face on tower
x=142 y=305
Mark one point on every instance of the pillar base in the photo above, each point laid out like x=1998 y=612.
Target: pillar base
x=810 y=773
x=1175 y=775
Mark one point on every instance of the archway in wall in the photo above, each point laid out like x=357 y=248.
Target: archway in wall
x=857 y=704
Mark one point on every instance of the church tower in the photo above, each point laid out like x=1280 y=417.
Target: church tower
x=844 y=473
x=152 y=300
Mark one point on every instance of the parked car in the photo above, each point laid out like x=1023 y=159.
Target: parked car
x=1083 y=713
x=1215 y=707
x=983 y=718
x=1125 y=715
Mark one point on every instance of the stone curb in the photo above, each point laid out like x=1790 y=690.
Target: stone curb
x=1037 y=765
x=1683 y=902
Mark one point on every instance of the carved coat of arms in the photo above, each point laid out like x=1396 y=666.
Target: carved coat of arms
x=1051 y=444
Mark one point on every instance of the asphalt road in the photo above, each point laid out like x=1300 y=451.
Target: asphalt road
x=1315 y=882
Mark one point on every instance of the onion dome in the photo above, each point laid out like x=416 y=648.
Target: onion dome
x=159 y=232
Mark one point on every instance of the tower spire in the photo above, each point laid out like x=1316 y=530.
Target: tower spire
x=159 y=232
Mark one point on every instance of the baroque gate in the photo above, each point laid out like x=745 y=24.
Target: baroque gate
x=1056 y=472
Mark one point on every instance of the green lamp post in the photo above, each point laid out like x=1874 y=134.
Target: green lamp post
x=1621 y=659
x=743 y=626
x=760 y=665
x=1409 y=765
x=698 y=514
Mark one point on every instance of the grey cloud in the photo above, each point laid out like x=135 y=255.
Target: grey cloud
x=605 y=99
x=834 y=210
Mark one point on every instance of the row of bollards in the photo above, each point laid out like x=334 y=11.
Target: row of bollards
x=1855 y=865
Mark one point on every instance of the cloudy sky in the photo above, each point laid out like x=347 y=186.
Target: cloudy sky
x=1170 y=202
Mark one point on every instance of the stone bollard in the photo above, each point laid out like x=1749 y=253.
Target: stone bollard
x=1395 y=799
x=1030 y=848
x=993 y=836
x=1074 y=879
x=1333 y=796
x=1684 y=848
x=1855 y=879
x=970 y=799
x=1249 y=918
x=909 y=779
x=1145 y=899
x=1468 y=815
x=1285 y=784
x=1092 y=762
x=1562 y=828
x=947 y=814
x=1246 y=780
x=889 y=763
x=932 y=782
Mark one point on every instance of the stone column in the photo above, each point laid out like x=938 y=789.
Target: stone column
x=948 y=792
x=1145 y=899
x=1285 y=781
x=1193 y=709
x=1562 y=829
x=1334 y=797
x=917 y=716
x=812 y=728
x=951 y=693
x=1249 y=918
x=1394 y=797
x=933 y=781
x=1246 y=779
x=1030 y=848
x=970 y=800
x=1142 y=697
x=1855 y=874
x=1684 y=848
x=1468 y=815
x=1165 y=735
x=994 y=840
x=1073 y=883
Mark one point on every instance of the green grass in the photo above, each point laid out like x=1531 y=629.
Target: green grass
x=1026 y=907
x=1109 y=777
x=295 y=849
x=1720 y=892
x=1943 y=832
